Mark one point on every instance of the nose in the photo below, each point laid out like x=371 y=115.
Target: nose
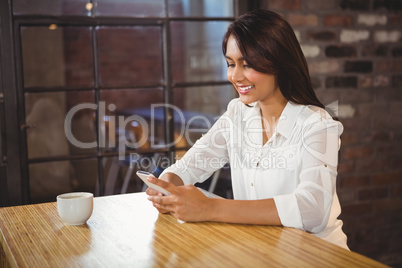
x=237 y=74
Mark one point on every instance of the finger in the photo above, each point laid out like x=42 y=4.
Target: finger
x=162 y=203
x=160 y=199
x=163 y=211
x=163 y=208
x=151 y=191
x=161 y=183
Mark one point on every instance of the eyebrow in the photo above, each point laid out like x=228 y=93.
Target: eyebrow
x=229 y=58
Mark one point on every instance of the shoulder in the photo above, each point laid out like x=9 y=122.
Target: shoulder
x=313 y=113
x=313 y=118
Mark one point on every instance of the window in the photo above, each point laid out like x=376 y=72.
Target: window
x=109 y=85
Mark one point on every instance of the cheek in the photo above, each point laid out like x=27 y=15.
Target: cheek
x=259 y=78
x=254 y=77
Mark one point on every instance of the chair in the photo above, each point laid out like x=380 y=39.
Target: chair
x=182 y=143
x=135 y=134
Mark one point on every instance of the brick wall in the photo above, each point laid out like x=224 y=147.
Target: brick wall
x=354 y=51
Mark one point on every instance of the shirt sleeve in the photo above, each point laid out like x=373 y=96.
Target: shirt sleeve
x=309 y=206
x=208 y=154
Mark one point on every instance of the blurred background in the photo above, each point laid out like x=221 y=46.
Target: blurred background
x=105 y=63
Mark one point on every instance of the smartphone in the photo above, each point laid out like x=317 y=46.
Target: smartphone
x=144 y=177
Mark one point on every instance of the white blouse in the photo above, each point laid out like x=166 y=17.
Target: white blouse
x=297 y=167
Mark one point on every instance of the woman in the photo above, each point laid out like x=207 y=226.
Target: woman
x=281 y=144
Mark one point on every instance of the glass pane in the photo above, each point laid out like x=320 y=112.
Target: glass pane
x=130 y=8
x=197 y=51
x=130 y=55
x=57 y=56
x=78 y=56
x=46 y=114
x=201 y=8
x=120 y=174
x=52 y=7
x=127 y=122
x=200 y=108
x=47 y=180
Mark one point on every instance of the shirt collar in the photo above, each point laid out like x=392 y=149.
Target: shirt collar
x=286 y=121
x=252 y=111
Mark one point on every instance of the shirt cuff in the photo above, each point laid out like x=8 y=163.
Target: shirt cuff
x=288 y=211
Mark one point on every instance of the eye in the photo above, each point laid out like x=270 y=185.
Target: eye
x=230 y=65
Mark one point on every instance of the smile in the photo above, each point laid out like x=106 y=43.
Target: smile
x=245 y=90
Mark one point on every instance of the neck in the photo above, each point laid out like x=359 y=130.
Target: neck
x=271 y=110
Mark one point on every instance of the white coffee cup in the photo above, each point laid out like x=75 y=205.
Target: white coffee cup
x=75 y=208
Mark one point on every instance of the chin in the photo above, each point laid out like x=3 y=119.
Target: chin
x=247 y=100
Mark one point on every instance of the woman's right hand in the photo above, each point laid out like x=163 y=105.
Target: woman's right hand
x=168 y=177
x=152 y=192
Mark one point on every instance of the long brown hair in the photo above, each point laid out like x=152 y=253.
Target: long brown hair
x=269 y=45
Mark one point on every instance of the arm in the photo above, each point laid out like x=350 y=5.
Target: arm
x=244 y=211
x=189 y=204
x=209 y=153
x=197 y=164
x=307 y=208
x=311 y=204
x=172 y=178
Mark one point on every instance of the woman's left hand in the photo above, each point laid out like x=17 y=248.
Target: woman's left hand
x=185 y=203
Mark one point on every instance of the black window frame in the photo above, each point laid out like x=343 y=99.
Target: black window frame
x=16 y=165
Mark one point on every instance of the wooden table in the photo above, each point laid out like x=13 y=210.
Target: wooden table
x=126 y=231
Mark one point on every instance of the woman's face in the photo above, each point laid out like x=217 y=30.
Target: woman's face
x=251 y=85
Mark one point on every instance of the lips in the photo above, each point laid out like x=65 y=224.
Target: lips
x=245 y=89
